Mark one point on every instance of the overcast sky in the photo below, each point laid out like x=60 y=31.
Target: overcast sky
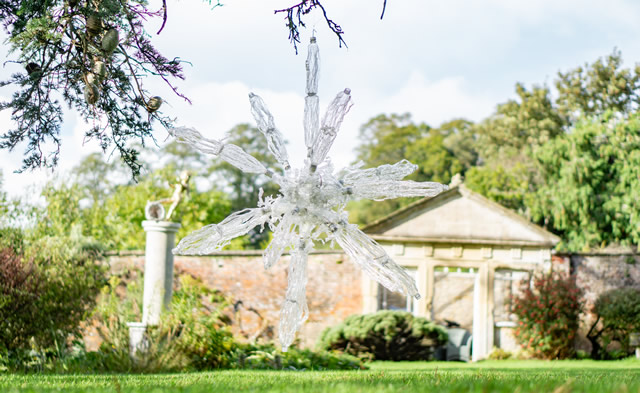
x=438 y=60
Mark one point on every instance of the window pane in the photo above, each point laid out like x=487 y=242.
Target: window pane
x=506 y=284
x=388 y=300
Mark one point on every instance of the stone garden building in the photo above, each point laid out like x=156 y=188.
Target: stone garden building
x=468 y=255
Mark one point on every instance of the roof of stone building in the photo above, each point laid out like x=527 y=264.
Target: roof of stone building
x=459 y=215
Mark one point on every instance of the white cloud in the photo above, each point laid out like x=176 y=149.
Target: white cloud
x=217 y=107
x=438 y=101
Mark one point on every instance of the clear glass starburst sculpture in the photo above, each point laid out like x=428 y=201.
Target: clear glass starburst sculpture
x=311 y=203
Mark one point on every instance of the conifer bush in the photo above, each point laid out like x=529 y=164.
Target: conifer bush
x=617 y=316
x=385 y=335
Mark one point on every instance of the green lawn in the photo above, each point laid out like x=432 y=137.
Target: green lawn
x=489 y=376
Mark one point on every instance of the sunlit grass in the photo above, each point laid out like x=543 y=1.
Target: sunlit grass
x=489 y=376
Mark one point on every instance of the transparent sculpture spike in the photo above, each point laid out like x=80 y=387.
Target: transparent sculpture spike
x=310 y=206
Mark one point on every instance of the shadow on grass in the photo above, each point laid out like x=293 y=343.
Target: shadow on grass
x=507 y=365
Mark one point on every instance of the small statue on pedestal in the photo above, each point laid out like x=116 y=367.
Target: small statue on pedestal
x=155 y=211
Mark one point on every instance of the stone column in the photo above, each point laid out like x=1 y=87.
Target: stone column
x=158 y=269
x=480 y=314
x=431 y=284
x=421 y=280
x=369 y=295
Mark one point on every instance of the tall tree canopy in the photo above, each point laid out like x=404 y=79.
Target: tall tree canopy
x=243 y=188
x=439 y=153
x=508 y=139
x=591 y=190
x=94 y=56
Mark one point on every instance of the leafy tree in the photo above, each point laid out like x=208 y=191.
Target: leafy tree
x=97 y=177
x=595 y=89
x=439 y=154
x=244 y=188
x=508 y=139
x=385 y=139
x=183 y=157
x=520 y=125
x=101 y=207
x=48 y=285
x=125 y=208
x=95 y=55
x=435 y=162
x=62 y=210
x=592 y=183
x=534 y=118
x=460 y=139
x=102 y=201
x=508 y=187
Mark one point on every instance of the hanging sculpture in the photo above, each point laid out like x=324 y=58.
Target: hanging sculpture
x=311 y=203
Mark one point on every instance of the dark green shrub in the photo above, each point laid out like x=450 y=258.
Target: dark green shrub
x=385 y=335
x=47 y=291
x=617 y=314
x=548 y=315
x=267 y=357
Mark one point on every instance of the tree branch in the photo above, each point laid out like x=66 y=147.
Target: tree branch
x=294 y=15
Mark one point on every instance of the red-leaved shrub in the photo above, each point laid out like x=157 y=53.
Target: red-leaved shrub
x=548 y=310
x=19 y=292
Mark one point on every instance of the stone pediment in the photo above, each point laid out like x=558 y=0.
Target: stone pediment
x=459 y=216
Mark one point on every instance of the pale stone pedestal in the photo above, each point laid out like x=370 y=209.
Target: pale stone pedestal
x=158 y=278
x=137 y=342
x=158 y=268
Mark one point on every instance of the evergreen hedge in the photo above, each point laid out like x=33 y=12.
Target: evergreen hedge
x=385 y=335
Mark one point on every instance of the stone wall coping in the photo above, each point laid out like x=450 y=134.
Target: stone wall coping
x=440 y=240
x=609 y=251
x=229 y=253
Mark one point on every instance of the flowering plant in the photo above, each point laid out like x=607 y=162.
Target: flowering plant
x=548 y=309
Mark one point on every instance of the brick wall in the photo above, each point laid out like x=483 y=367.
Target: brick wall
x=334 y=289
